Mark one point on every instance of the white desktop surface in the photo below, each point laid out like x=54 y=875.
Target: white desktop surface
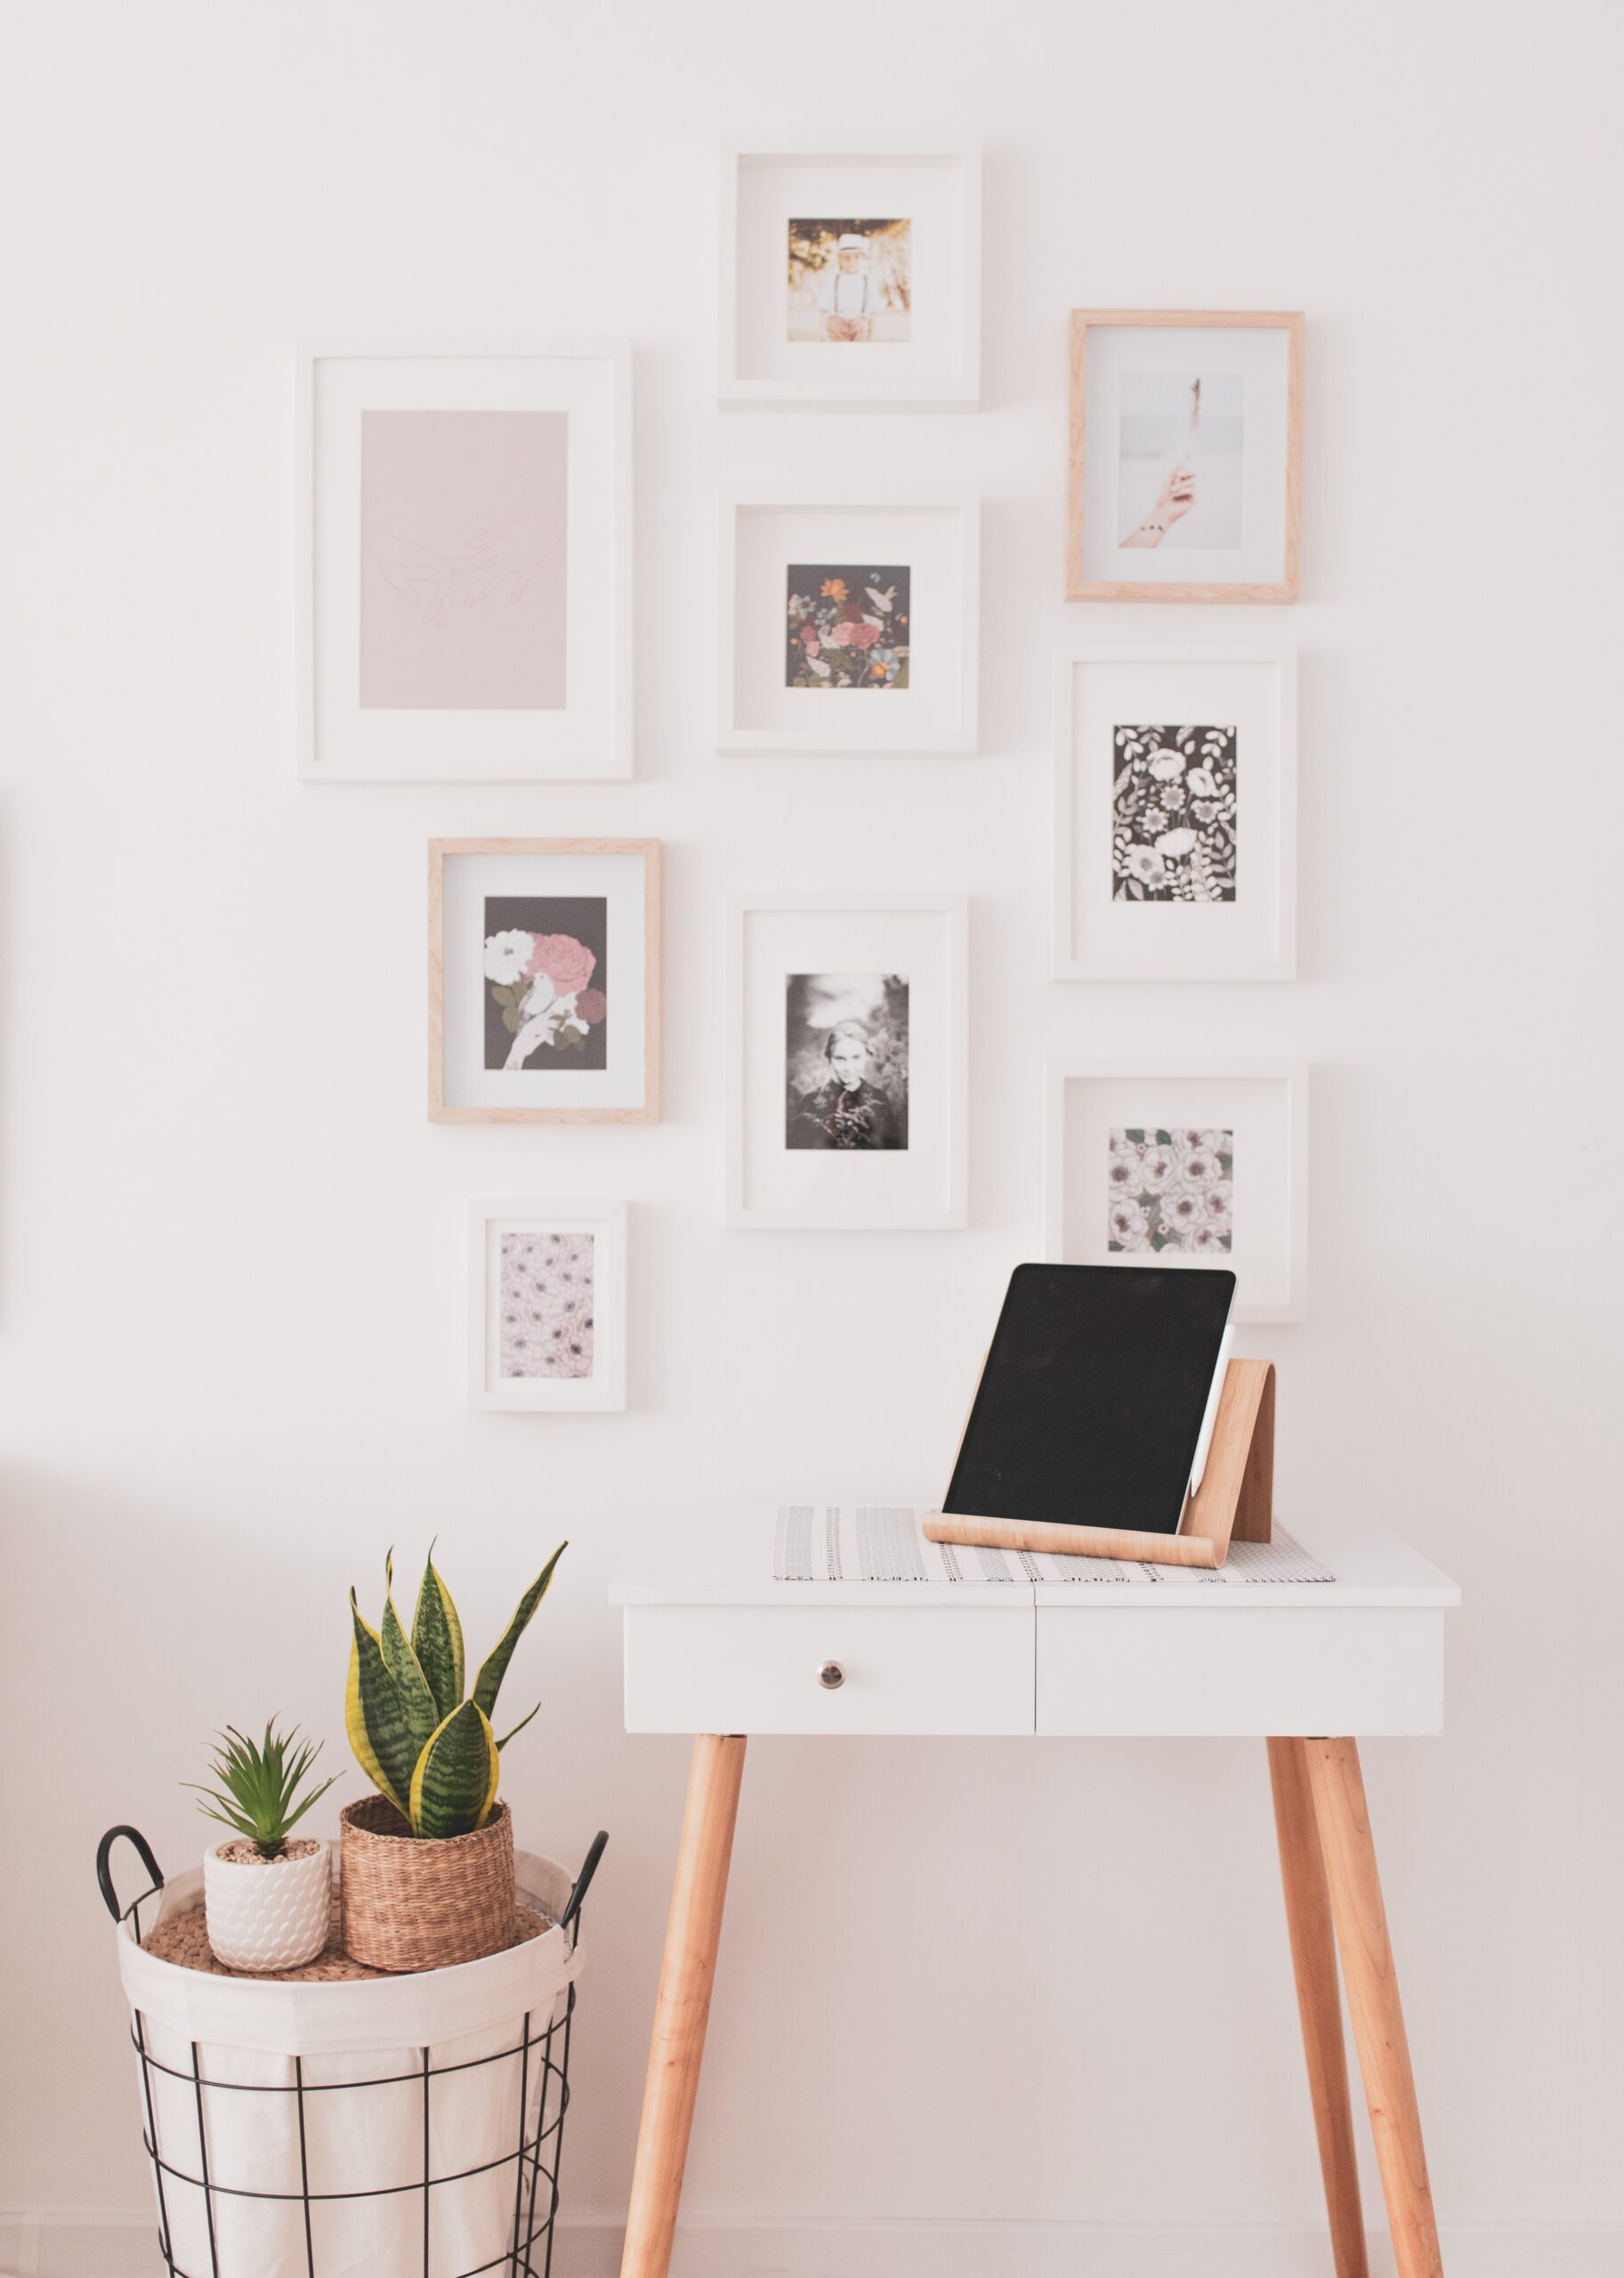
x=714 y=1643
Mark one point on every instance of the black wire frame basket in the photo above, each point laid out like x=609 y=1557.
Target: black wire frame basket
x=541 y=2078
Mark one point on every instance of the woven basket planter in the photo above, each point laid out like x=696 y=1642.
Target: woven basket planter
x=411 y=1904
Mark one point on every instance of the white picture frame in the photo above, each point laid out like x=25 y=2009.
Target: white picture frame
x=932 y=184
x=555 y=1313
x=800 y=965
x=1235 y=709
x=1260 y=1105
x=375 y=704
x=929 y=538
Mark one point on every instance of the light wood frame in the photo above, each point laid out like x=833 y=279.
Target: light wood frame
x=1068 y=891
x=616 y=758
x=835 y=741
x=960 y=392
x=439 y=849
x=1293 y=1074
x=1079 y=587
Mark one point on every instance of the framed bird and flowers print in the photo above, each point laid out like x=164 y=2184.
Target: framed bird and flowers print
x=547 y=1304
x=847 y=1101
x=851 y=274
x=544 y=979
x=849 y=627
x=1204 y=1163
x=1175 y=838
x=1185 y=455
x=465 y=562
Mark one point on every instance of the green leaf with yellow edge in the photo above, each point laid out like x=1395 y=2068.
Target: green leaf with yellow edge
x=494 y=1667
x=374 y=1718
x=454 y=1783
x=417 y=1703
x=519 y=1727
x=437 y=1639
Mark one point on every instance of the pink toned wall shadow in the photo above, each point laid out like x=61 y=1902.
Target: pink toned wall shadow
x=464 y=561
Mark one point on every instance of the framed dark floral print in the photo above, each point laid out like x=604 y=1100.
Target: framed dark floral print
x=1174 y=837
x=1198 y=1163
x=547 y=1304
x=544 y=979
x=849 y=624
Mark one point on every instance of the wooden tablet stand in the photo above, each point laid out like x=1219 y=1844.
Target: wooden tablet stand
x=1234 y=1502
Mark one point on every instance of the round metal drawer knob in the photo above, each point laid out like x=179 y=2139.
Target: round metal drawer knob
x=831 y=1677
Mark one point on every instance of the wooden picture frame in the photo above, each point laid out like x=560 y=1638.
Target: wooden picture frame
x=1081 y=586
x=631 y=1093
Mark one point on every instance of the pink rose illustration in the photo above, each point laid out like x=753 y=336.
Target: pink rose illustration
x=592 y=1004
x=567 y=963
x=808 y=638
x=859 y=633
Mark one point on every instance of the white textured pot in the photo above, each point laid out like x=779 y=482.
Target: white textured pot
x=268 y=1913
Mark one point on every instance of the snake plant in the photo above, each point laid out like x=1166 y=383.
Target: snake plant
x=430 y=1751
x=259 y=1785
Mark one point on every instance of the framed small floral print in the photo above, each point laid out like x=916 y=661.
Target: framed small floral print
x=544 y=979
x=547 y=1304
x=1203 y=1164
x=849 y=625
x=1185 y=458
x=1175 y=839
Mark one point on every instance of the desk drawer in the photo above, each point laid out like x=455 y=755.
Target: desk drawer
x=756 y=1669
x=1216 y=1669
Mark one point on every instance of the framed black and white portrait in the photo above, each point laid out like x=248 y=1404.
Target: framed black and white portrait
x=846 y=1064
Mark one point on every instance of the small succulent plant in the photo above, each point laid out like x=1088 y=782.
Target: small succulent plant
x=430 y=1751
x=259 y=1782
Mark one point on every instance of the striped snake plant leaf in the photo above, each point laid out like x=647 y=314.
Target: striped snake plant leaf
x=373 y=1718
x=494 y=1667
x=520 y=1726
x=454 y=1783
x=437 y=1639
x=417 y=1703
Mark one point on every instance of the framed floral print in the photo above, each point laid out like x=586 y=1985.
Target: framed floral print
x=465 y=562
x=846 y=1087
x=547 y=1304
x=849 y=625
x=851 y=274
x=1200 y=1164
x=1185 y=455
x=544 y=979
x=1175 y=839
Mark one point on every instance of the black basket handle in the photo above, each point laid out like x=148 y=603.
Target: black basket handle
x=583 y=1881
x=104 y=1879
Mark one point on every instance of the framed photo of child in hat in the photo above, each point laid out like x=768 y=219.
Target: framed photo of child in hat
x=851 y=274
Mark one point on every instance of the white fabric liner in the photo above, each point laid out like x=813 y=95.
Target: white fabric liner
x=252 y=2033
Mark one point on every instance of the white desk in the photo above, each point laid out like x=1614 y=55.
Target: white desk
x=716 y=1647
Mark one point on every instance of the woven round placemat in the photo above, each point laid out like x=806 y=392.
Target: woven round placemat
x=183 y=1940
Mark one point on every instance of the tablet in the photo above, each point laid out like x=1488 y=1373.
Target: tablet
x=1090 y=1405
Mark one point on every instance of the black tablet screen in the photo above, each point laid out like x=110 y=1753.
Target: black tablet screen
x=1091 y=1401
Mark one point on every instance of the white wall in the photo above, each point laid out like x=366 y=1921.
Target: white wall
x=231 y=1258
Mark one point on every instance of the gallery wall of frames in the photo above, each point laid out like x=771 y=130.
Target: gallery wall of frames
x=466 y=576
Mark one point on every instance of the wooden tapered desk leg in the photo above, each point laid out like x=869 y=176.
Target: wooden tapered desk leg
x=1319 y=1999
x=682 y=2008
x=1344 y=1822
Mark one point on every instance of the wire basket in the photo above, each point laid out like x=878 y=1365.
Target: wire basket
x=278 y=2152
